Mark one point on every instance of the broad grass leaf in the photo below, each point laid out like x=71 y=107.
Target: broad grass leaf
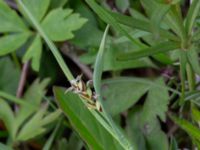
x=9 y=20
x=84 y=122
x=9 y=76
x=37 y=8
x=34 y=53
x=11 y=42
x=60 y=23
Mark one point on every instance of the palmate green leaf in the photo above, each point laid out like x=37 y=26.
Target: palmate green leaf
x=36 y=125
x=146 y=132
x=120 y=93
x=33 y=127
x=11 y=42
x=153 y=50
x=9 y=76
x=37 y=7
x=50 y=44
x=126 y=91
x=9 y=20
x=192 y=15
x=157 y=100
x=33 y=95
x=84 y=122
x=57 y=3
x=60 y=23
x=191 y=130
x=34 y=53
x=91 y=26
x=7 y=116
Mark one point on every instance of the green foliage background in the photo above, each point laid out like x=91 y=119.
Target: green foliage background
x=143 y=58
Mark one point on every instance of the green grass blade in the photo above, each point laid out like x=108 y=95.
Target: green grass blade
x=140 y=24
x=104 y=15
x=192 y=130
x=183 y=62
x=49 y=142
x=157 y=49
x=191 y=16
x=51 y=45
x=98 y=69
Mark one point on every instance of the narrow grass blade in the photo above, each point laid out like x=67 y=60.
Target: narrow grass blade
x=104 y=15
x=98 y=69
x=192 y=130
x=183 y=62
x=157 y=49
x=49 y=142
x=191 y=16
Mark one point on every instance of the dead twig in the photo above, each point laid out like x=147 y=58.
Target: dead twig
x=23 y=78
x=12 y=4
x=84 y=68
